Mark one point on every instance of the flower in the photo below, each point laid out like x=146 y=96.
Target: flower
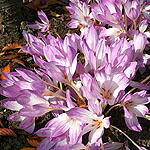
x=80 y=16
x=94 y=123
x=139 y=42
x=44 y=25
x=108 y=12
x=133 y=106
x=62 y=126
x=111 y=86
x=132 y=9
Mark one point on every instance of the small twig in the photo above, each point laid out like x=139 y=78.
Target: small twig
x=71 y=84
x=112 y=108
x=127 y=137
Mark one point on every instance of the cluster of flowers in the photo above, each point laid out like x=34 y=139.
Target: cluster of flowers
x=113 y=37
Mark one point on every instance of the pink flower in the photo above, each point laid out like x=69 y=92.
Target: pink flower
x=132 y=9
x=110 y=86
x=44 y=25
x=134 y=106
x=94 y=123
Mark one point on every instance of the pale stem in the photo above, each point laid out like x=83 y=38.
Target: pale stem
x=101 y=144
x=55 y=32
x=71 y=84
x=134 y=22
x=127 y=137
x=60 y=85
x=125 y=20
x=112 y=108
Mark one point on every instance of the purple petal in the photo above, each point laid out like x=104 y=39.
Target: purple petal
x=96 y=134
x=133 y=124
x=80 y=114
x=27 y=124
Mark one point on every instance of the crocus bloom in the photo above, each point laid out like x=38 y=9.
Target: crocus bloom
x=63 y=126
x=94 y=49
x=145 y=7
x=111 y=9
x=80 y=16
x=132 y=9
x=27 y=123
x=44 y=25
x=94 y=123
x=35 y=44
x=62 y=59
x=110 y=86
x=134 y=106
x=139 y=42
x=22 y=79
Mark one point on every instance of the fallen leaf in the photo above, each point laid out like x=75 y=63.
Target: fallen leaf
x=35 y=4
x=28 y=148
x=22 y=132
x=11 y=46
x=35 y=140
x=52 y=13
x=19 y=62
x=7 y=132
x=1 y=124
x=8 y=57
x=6 y=70
x=2 y=53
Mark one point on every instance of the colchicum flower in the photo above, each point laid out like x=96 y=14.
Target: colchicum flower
x=134 y=106
x=94 y=123
x=132 y=9
x=44 y=25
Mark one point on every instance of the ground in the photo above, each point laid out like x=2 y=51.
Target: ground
x=14 y=16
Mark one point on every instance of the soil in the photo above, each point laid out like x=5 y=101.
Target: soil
x=14 y=16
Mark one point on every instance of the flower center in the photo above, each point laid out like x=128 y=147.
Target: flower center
x=97 y=123
x=128 y=104
x=106 y=94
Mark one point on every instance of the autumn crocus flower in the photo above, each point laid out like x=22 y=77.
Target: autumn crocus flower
x=44 y=25
x=63 y=126
x=61 y=59
x=108 y=12
x=132 y=9
x=110 y=86
x=80 y=16
x=94 y=123
x=133 y=106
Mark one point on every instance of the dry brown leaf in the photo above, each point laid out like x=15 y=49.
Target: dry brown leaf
x=1 y=124
x=22 y=132
x=8 y=57
x=33 y=65
x=52 y=13
x=7 y=132
x=6 y=70
x=35 y=4
x=19 y=62
x=2 y=53
x=28 y=148
x=11 y=46
x=35 y=140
